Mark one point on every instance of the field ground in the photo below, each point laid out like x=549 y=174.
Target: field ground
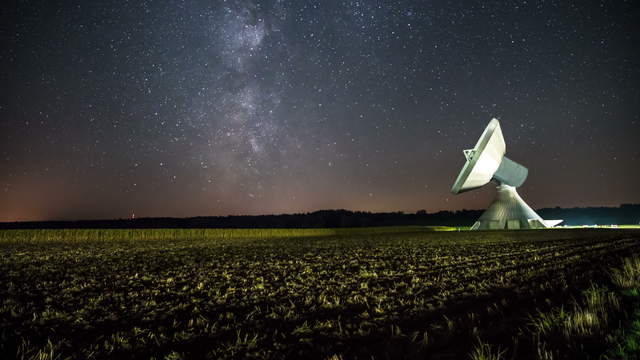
x=411 y=292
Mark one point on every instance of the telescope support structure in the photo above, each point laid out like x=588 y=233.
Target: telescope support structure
x=508 y=211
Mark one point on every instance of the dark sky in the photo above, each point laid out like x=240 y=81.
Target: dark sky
x=181 y=108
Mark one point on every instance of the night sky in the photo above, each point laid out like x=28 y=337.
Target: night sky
x=180 y=108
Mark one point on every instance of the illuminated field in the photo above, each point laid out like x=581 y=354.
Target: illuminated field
x=101 y=235
x=310 y=293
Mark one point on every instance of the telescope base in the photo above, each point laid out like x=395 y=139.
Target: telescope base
x=509 y=211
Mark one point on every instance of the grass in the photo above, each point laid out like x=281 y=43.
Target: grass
x=627 y=277
x=484 y=351
x=625 y=342
x=592 y=324
x=399 y=292
x=580 y=329
x=591 y=317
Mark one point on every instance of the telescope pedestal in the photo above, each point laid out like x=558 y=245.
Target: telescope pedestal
x=508 y=211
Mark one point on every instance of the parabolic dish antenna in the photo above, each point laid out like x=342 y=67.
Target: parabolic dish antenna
x=486 y=162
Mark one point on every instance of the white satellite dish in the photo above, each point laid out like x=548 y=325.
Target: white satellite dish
x=486 y=162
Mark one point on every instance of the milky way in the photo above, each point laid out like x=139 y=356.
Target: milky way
x=249 y=107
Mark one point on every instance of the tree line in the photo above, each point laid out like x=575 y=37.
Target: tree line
x=624 y=214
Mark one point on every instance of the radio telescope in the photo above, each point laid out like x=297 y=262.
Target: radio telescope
x=486 y=162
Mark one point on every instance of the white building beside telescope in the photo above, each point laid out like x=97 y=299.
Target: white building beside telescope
x=486 y=162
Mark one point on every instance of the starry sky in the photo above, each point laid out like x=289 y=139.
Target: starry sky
x=195 y=108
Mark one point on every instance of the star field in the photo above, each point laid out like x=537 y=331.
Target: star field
x=193 y=108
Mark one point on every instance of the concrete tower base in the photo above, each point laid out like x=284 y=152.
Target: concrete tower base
x=509 y=211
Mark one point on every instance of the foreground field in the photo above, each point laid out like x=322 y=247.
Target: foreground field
x=317 y=293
